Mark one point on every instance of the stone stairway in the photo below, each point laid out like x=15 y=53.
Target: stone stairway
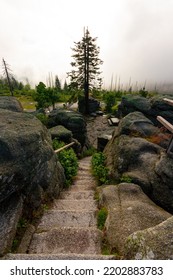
x=69 y=229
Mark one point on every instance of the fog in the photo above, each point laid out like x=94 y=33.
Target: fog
x=134 y=36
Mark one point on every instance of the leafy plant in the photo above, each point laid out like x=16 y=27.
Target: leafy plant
x=22 y=223
x=57 y=144
x=99 y=168
x=101 y=217
x=126 y=179
x=110 y=100
x=88 y=152
x=43 y=118
x=68 y=160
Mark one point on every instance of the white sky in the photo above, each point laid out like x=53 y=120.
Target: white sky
x=135 y=37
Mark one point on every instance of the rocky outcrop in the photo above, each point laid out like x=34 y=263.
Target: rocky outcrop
x=154 y=243
x=144 y=162
x=61 y=133
x=10 y=103
x=10 y=213
x=137 y=124
x=129 y=210
x=28 y=167
x=93 y=105
x=71 y=120
x=151 y=108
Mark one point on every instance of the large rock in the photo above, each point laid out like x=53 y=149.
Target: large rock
x=93 y=105
x=151 y=108
x=144 y=162
x=154 y=243
x=129 y=210
x=28 y=164
x=10 y=103
x=131 y=103
x=10 y=212
x=71 y=120
x=136 y=124
x=61 y=133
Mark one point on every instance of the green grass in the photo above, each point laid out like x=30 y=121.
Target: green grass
x=27 y=102
x=101 y=217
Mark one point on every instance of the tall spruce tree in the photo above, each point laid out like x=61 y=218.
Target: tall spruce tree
x=86 y=66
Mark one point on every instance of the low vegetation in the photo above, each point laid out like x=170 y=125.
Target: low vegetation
x=100 y=171
x=101 y=217
x=68 y=160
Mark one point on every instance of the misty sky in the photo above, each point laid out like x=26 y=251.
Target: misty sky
x=135 y=37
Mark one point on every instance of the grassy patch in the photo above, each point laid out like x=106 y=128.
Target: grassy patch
x=27 y=102
x=101 y=217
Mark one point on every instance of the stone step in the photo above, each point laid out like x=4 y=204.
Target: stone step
x=77 y=195
x=54 y=218
x=84 y=184
x=84 y=173
x=66 y=240
x=84 y=167
x=77 y=205
x=58 y=257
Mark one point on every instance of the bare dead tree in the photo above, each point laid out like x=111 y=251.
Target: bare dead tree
x=7 y=73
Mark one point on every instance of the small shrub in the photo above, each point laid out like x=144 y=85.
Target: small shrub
x=125 y=179
x=99 y=169
x=22 y=223
x=88 y=152
x=43 y=118
x=115 y=109
x=68 y=160
x=110 y=100
x=101 y=218
x=57 y=144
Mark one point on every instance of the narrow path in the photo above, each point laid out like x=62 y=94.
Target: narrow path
x=69 y=229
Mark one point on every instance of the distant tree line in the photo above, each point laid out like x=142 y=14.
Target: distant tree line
x=46 y=96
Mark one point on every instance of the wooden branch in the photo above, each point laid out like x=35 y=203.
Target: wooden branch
x=165 y=123
x=169 y=101
x=64 y=147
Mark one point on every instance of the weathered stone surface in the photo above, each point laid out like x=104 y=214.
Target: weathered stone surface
x=26 y=239
x=125 y=153
x=97 y=128
x=154 y=243
x=10 y=103
x=137 y=124
x=77 y=195
x=28 y=162
x=28 y=165
x=102 y=142
x=10 y=212
x=129 y=210
x=55 y=218
x=93 y=105
x=58 y=257
x=61 y=133
x=145 y=163
x=71 y=120
x=74 y=204
x=80 y=241
x=151 y=108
